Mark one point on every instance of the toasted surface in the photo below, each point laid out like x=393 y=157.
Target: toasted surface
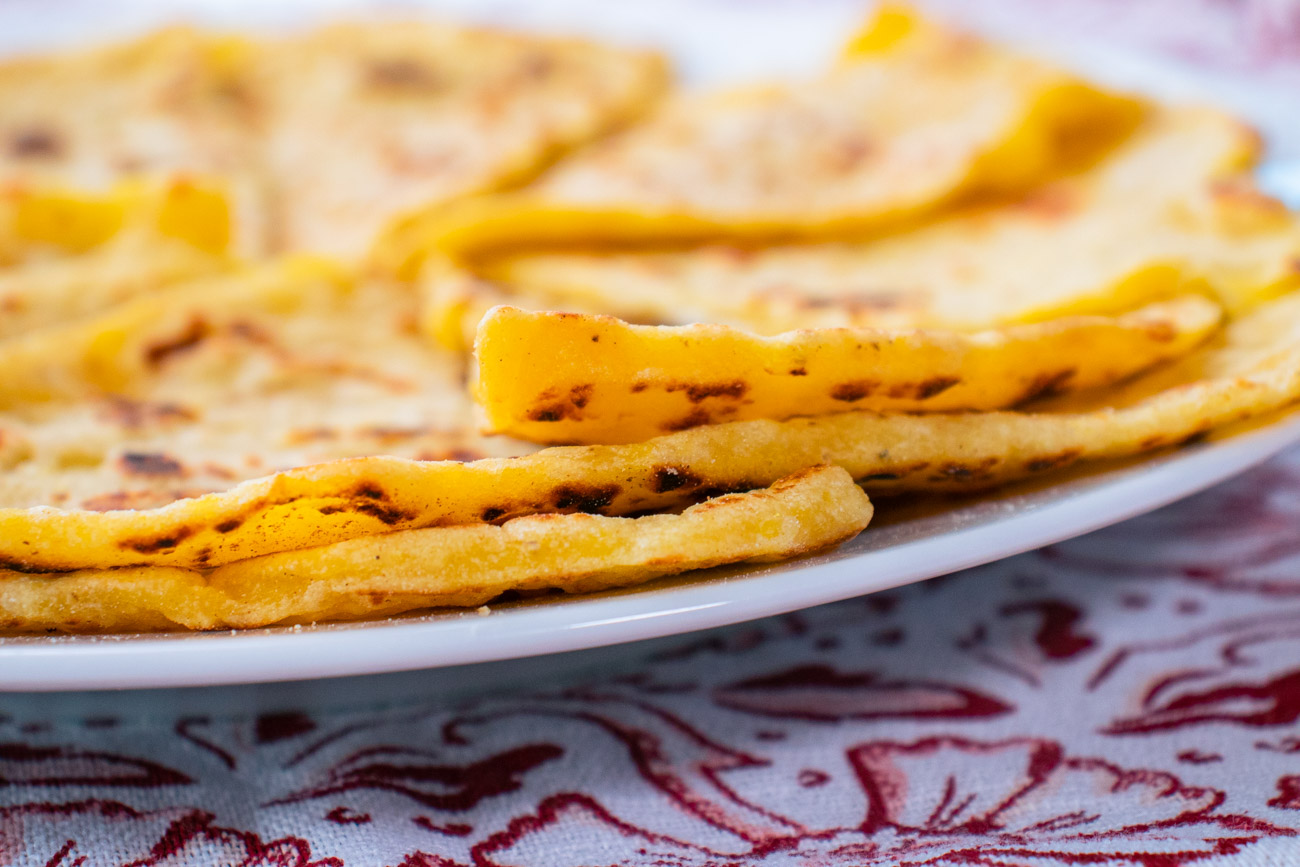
x=79 y=117
x=854 y=144
x=451 y=566
x=1252 y=368
x=367 y=121
x=324 y=137
x=195 y=389
x=871 y=143
x=172 y=104
x=565 y=377
x=1167 y=212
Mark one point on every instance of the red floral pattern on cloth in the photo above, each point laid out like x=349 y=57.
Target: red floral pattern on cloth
x=1128 y=698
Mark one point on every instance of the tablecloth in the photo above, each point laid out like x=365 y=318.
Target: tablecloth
x=1128 y=698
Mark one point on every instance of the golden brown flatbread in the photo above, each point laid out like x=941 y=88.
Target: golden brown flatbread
x=75 y=255
x=368 y=121
x=235 y=377
x=1171 y=211
x=447 y=566
x=320 y=138
x=169 y=105
x=935 y=118
x=1251 y=369
x=570 y=378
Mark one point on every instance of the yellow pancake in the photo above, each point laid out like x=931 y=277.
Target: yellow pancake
x=371 y=120
x=569 y=378
x=195 y=389
x=1169 y=212
x=451 y=566
x=937 y=117
x=172 y=104
x=73 y=255
x=320 y=138
x=1252 y=368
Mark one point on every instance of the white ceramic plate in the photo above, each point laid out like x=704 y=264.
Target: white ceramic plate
x=712 y=40
x=884 y=556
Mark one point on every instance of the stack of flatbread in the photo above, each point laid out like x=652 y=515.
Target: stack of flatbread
x=398 y=315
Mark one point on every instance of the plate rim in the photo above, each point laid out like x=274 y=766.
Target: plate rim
x=74 y=664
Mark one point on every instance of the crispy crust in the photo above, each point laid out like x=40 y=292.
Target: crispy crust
x=450 y=567
x=569 y=378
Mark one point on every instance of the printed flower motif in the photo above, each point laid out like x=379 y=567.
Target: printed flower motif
x=938 y=801
x=1241 y=672
x=428 y=781
x=819 y=692
x=175 y=837
x=1288 y=793
x=65 y=766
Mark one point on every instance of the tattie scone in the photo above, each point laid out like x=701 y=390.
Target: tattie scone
x=934 y=119
x=320 y=138
x=1171 y=210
